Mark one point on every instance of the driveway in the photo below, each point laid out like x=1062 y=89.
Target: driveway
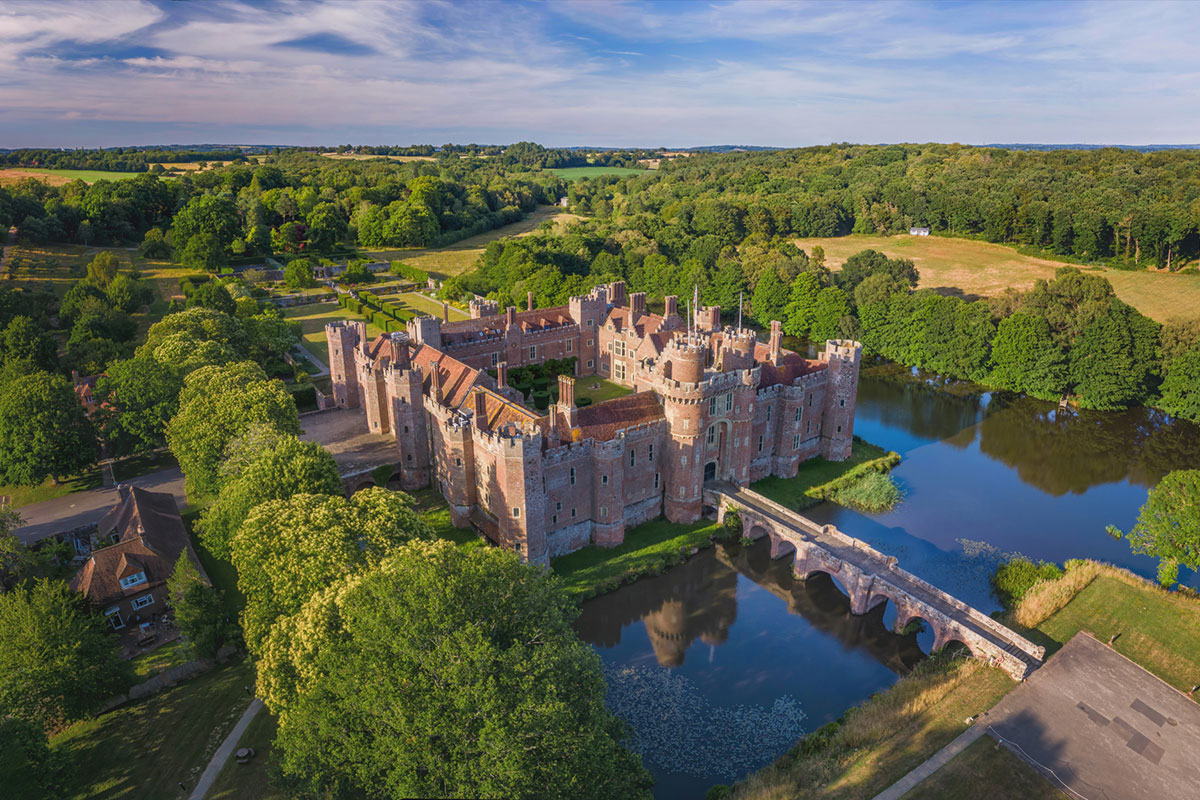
x=343 y=432
x=83 y=508
x=1103 y=726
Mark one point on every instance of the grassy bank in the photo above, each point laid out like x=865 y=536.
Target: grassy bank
x=818 y=479
x=648 y=549
x=983 y=764
x=877 y=743
x=237 y=781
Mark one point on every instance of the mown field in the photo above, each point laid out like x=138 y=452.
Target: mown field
x=57 y=177
x=460 y=257
x=575 y=173
x=367 y=157
x=984 y=269
x=313 y=318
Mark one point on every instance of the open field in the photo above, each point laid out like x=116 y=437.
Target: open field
x=460 y=257
x=983 y=269
x=57 y=177
x=313 y=318
x=575 y=173
x=368 y=157
x=146 y=748
x=983 y=764
x=237 y=781
x=880 y=741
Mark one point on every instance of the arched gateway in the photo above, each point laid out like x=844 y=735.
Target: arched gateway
x=871 y=578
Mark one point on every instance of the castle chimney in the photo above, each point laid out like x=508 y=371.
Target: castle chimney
x=445 y=311
x=480 y=409
x=435 y=382
x=671 y=306
x=502 y=374
x=510 y=317
x=776 y=342
x=566 y=401
x=529 y=301
x=637 y=307
x=616 y=291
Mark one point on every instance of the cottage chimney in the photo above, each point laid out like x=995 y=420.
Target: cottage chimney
x=637 y=307
x=510 y=317
x=502 y=374
x=529 y=301
x=480 y=409
x=776 y=341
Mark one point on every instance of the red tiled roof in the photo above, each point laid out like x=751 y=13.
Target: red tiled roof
x=151 y=539
x=602 y=421
x=791 y=366
x=499 y=412
x=457 y=378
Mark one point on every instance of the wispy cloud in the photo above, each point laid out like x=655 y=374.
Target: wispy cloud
x=748 y=71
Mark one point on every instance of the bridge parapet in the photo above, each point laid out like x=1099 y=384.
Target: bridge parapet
x=871 y=577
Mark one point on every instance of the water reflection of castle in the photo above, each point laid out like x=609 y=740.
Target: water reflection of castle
x=698 y=600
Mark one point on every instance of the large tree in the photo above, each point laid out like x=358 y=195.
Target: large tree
x=285 y=468
x=1026 y=359
x=1181 y=386
x=44 y=432
x=217 y=405
x=24 y=340
x=1168 y=526
x=199 y=610
x=57 y=662
x=770 y=297
x=801 y=307
x=137 y=398
x=103 y=268
x=286 y=550
x=1114 y=357
x=398 y=682
x=198 y=325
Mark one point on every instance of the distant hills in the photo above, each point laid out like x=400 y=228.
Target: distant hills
x=1142 y=148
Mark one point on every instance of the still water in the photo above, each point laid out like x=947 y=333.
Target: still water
x=722 y=662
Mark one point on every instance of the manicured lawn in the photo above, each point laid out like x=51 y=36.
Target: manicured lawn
x=146 y=748
x=433 y=509
x=461 y=256
x=648 y=549
x=27 y=495
x=575 y=173
x=420 y=302
x=606 y=390
x=795 y=492
x=984 y=770
x=160 y=659
x=314 y=317
x=237 y=781
x=985 y=269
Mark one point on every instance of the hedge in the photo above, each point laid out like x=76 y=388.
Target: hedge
x=414 y=274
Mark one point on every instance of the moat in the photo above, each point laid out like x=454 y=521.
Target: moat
x=721 y=661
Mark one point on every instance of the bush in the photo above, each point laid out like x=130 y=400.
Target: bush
x=583 y=402
x=1014 y=578
x=873 y=491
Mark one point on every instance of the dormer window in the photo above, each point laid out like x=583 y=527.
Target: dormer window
x=133 y=580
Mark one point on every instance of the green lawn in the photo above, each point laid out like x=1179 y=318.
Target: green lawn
x=798 y=492
x=87 y=175
x=648 y=549
x=575 y=173
x=160 y=659
x=314 y=317
x=427 y=305
x=607 y=389
x=433 y=509
x=47 y=490
x=985 y=770
x=237 y=781
x=145 y=749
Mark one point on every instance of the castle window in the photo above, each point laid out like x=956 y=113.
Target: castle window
x=760 y=444
x=406 y=429
x=650 y=454
x=590 y=342
x=632 y=457
x=619 y=370
x=796 y=442
x=681 y=491
x=604 y=480
x=810 y=399
x=712 y=435
x=572 y=476
x=768 y=413
x=570 y=345
x=656 y=480
x=572 y=513
x=558 y=506
x=410 y=456
x=798 y=414
x=603 y=511
x=591 y=323
x=590 y=362
x=516 y=513
x=839 y=428
x=619 y=347
x=729 y=401
x=554 y=519
x=495 y=359
x=533 y=351
x=712 y=405
x=683 y=460
x=458 y=462
x=842 y=403
x=808 y=427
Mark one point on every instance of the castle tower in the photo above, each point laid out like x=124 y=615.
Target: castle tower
x=522 y=520
x=374 y=396
x=408 y=421
x=683 y=404
x=608 y=505
x=343 y=339
x=841 y=394
x=738 y=352
x=426 y=330
x=588 y=312
x=708 y=318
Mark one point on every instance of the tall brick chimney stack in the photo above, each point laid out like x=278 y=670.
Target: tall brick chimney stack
x=510 y=317
x=566 y=401
x=529 y=301
x=435 y=382
x=637 y=307
x=480 y=409
x=616 y=290
x=776 y=341
x=502 y=374
x=445 y=311
x=670 y=305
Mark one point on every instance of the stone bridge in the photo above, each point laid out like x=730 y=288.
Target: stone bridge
x=872 y=578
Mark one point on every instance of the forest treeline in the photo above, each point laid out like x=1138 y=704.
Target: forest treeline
x=529 y=154
x=130 y=159
x=1121 y=207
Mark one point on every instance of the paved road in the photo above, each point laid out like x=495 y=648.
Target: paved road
x=1096 y=722
x=318 y=363
x=225 y=751
x=83 y=508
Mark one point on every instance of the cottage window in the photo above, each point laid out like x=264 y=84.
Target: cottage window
x=113 y=615
x=133 y=580
x=143 y=601
x=572 y=476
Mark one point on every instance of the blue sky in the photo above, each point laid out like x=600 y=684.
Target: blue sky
x=111 y=72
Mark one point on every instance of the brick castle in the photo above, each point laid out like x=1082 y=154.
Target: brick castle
x=709 y=403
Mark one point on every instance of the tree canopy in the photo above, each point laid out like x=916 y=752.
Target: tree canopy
x=1168 y=525
x=44 y=432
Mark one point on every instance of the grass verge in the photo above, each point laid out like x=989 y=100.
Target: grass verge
x=648 y=549
x=433 y=509
x=160 y=659
x=984 y=764
x=237 y=781
x=819 y=479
